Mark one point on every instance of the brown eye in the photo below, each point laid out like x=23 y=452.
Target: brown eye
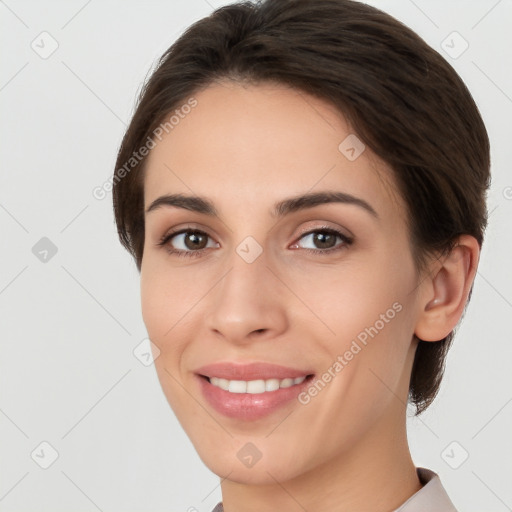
x=324 y=240
x=192 y=242
x=187 y=242
x=195 y=240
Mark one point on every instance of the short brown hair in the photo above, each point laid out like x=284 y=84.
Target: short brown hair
x=404 y=101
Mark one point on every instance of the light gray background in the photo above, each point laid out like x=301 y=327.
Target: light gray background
x=68 y=375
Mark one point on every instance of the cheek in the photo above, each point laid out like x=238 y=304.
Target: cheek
x=368 y=312
x=162 y=295
x=161 y=313
x=152 y=291
x=357 y=298
x=162 y=305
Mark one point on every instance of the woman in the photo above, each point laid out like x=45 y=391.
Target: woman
x=302 y=187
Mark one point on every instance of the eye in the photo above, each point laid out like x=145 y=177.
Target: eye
x=192 y=242
x=325 y=238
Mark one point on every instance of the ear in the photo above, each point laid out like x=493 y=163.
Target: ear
x=446 y=290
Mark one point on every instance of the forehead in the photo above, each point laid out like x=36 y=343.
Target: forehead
x=254 y=144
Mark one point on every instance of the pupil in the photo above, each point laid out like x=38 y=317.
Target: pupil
x=193 y=238
x=323 y=239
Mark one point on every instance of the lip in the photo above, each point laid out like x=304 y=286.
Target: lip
x=247 y=406
x=251 y=371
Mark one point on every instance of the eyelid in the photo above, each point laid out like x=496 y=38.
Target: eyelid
x=304 y=231
x=187 y=227
x=168 y=235
x=346 y=239
x=312 y=228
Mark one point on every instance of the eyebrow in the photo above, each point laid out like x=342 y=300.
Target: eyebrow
x=282 y=208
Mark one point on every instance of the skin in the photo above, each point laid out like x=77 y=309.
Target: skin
x=245 y=148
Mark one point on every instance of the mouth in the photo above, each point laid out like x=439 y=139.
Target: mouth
x=255 y=387
x=251 y=391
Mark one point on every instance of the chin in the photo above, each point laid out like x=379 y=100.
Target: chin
x=259 y=474
x=235 y=463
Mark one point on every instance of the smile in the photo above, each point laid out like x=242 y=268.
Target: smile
x=250 y=391
x=255 y=387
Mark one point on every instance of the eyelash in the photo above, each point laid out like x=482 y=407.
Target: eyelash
x=347 y=241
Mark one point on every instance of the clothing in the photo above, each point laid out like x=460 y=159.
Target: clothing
x=432 y=497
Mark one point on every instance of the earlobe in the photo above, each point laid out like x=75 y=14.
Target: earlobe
x=446 y=291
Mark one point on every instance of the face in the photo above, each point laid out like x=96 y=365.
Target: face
x=315 y=298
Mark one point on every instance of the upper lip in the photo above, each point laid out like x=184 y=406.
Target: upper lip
x=250 y=371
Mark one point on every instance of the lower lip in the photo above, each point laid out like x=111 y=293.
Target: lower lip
x=247 y=406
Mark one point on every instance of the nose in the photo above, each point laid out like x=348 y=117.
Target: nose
x=249 y=302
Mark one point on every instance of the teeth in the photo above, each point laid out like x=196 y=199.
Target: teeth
x=254 y=386
x=286 y=383
x=272 y=384
x=237 y=386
